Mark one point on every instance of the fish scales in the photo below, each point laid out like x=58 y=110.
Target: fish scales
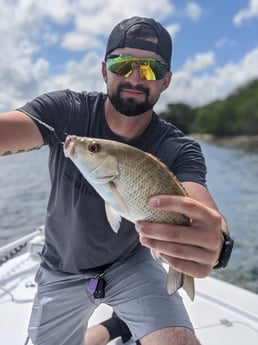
x=126 y=178
x=144 y=176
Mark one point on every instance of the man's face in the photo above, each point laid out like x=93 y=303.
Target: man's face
x=133 y=96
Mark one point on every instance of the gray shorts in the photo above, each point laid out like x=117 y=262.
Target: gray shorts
x=135 y=289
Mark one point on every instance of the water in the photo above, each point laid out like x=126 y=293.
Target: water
x=24 y=188
x=232 y=180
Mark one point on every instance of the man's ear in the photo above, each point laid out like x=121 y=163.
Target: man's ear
x=167 y=81
x=104 y=71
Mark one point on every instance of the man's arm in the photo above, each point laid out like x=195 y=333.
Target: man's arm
x=18 y=133
x=194 y=249
x=200 y=193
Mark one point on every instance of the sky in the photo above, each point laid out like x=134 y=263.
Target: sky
x=49 y=45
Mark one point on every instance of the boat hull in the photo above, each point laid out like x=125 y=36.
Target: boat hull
x=221 y=313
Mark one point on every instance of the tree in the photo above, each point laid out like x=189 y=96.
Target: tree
x=235 y=115
x=180 y=115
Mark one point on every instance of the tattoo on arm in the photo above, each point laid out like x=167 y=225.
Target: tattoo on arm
x=7 y=153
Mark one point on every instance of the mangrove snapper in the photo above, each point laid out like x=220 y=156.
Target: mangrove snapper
x=126 y=177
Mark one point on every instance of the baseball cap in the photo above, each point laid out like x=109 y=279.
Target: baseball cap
x=118 y=38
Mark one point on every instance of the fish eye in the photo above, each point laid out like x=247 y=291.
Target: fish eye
x=93 y=147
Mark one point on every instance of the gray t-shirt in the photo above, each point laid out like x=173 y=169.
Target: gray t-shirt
x=78 y=236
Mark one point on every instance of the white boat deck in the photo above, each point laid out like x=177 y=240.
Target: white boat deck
x=221 y=313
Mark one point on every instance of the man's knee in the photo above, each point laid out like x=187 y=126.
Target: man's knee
x=171 y=335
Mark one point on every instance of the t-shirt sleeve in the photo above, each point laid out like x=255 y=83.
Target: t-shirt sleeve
x=189 y=163
x=51 y=112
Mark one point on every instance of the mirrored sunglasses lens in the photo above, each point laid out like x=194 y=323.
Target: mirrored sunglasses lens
x=119 y=67
x=146 y=72
x=149 y=69
x=158 y=69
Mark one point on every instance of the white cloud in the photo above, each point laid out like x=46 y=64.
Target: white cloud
x=89 y=29
x=221 y=42
x=79 y=75
x=201 y=89
x=20 y=74
x=199 y=62
x=173 y=29
x=251 y=11
x=28 y=28
x=193 y=11
x=78 y=42
x=224 y=41
x=26 y=72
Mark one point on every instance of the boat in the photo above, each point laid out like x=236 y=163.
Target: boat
x=221 y=313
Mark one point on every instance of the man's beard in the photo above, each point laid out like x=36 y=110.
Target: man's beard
x=129 y=106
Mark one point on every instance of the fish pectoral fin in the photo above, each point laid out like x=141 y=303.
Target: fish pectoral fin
x=107 y=171
x=119 y=201
x=176 y=280
x=113 y=218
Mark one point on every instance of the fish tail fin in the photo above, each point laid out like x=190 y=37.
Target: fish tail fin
x=154 y=254
x=189 y=287
x=176 y=280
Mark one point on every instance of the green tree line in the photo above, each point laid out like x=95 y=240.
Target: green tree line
x=235 y=115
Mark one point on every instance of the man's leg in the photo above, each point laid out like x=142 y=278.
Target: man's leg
x=171 y=335
x=100 y=335
x=97 y=335
x=61 y=309
x=108 y=330
x=136 y=289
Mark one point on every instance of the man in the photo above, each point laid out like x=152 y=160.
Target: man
x=80 y=246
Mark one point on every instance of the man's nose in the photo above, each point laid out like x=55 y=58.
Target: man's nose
x=136 y=74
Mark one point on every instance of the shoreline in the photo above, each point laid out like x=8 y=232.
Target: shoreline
x=241 y=141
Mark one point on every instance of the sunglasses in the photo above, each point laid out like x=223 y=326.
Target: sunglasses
x=148 y=68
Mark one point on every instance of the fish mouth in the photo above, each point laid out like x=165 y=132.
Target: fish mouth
x=69 y=146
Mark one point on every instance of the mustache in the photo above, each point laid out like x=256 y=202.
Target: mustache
x=131 y=87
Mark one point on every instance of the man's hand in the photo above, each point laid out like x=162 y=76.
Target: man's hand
x=194 y=249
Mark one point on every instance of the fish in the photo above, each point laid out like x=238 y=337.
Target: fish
x=126 y=177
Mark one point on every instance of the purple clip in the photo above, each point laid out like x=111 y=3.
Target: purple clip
x=93 y=284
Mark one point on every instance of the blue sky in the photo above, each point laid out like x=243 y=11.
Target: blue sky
x=48 y=45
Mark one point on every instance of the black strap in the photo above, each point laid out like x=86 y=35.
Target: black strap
x=117 y=328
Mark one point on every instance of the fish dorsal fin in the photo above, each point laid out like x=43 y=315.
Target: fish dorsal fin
x=107 y=171
x=114 y=215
